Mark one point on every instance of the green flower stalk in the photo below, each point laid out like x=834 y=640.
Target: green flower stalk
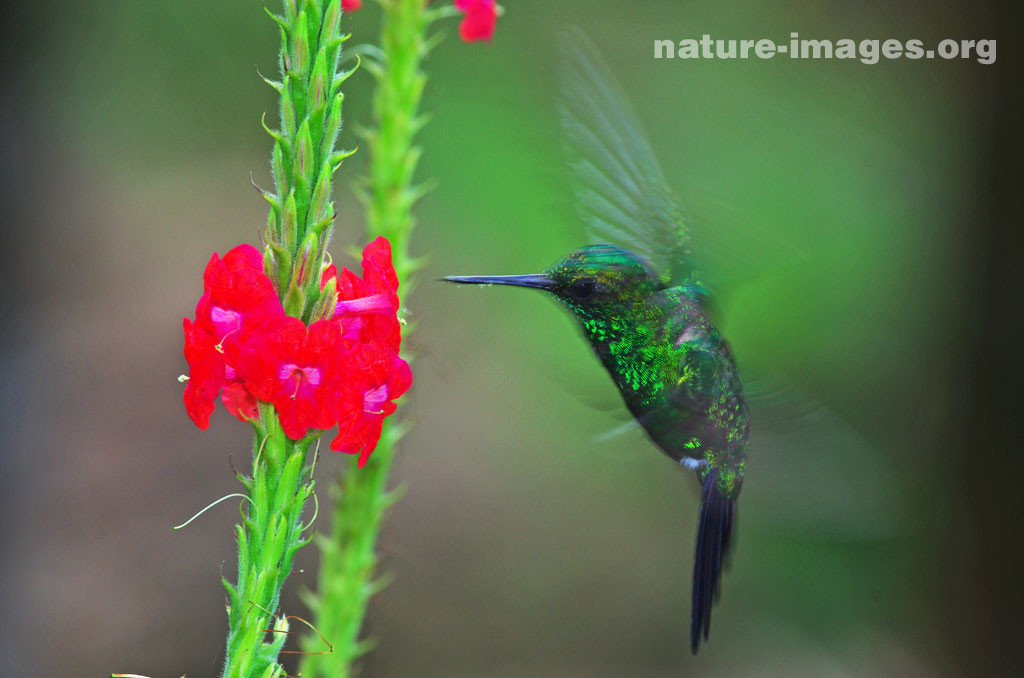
x=393 y=154
x=348 y=566
x=300 y=223
x=294 y=347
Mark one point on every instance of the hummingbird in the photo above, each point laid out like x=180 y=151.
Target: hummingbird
x=641 y=304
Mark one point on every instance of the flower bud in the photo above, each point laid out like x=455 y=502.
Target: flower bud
x=324 y=307
x=287 y=107
x=277 y=168
x=332 y=126
x=332 y=18
x=307 y=264
x=318 y=83
x=320 y=210
x=302 y=162
x=300 y=51
x=290 y=220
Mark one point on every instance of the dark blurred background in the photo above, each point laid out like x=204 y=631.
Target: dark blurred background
x=865 y=213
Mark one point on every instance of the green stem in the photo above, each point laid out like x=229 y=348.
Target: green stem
x=270 y=534
x=393 y=153
x=347 y=570
x=348 y=562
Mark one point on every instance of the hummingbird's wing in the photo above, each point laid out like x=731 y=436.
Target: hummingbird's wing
x=621 y=193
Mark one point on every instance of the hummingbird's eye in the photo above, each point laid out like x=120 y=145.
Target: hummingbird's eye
x=583 y=289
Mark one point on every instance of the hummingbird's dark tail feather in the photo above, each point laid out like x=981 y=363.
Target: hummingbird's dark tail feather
x=714 y=531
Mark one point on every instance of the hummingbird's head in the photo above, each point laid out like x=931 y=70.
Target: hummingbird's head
x=588 y=279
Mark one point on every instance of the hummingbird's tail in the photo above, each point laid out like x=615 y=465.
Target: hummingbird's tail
x=714 y=532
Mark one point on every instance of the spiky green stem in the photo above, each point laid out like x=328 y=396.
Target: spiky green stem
x=304 y=158
x=269 y=536
x=299 y=227
x=347 y=569
x=396 y=104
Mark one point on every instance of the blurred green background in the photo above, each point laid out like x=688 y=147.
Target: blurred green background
x=850 y=204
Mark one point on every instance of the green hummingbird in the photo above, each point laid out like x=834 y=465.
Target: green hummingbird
x=644 y=309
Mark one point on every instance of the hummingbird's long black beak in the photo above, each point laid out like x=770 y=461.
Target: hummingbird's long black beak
x=532 y=280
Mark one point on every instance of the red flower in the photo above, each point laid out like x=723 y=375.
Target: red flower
x=242 y=257
x=351 y=5
x=375 y=376
x=238 y=297
x=206 y=374
x=379 y=269
x=210 y=375
x=329 y=272
x=480 y=20
x=239 y=401
x=368 y=306
x=299 y=371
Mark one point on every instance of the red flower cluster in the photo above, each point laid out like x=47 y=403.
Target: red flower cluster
x=351 y=5
x=344 y=371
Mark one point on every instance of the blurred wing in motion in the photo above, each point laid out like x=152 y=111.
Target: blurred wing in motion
x=816 y=474
x=621 y=193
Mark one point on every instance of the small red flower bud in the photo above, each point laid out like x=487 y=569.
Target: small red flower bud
x=480 y=20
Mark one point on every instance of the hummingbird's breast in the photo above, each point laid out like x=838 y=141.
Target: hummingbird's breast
x=676 y=375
